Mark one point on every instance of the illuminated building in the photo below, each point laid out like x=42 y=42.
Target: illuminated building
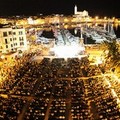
x=12 y=39
x=80 y=13
x=30 y=20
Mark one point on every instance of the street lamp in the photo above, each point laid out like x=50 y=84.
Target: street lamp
x=105 y=18
x=97 y=17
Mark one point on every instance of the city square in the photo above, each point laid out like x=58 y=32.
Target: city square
x=60 y=67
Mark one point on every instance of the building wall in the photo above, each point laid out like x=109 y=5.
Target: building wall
x=12 y=39
x=80 y=13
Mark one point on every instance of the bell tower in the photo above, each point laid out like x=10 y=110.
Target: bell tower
x=75 y=10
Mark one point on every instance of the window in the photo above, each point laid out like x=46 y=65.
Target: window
x=6 y=41
x=4 y=34
x=20 y=39
x=14 y=33
x=10 y=33
x=14 y=38
x=11 y=45
x=21 y=43
x=20 y=32
x=10 y=39
x=6 y=46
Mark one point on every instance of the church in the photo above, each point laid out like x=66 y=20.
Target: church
x=80 y=13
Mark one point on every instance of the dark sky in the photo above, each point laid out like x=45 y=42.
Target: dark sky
x=32 y=7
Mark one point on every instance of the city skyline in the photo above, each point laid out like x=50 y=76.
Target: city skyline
x=108 y=8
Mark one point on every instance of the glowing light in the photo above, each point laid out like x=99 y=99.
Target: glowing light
x=118 y=101
x=98 y=60
x=105 y=17
x=107 y=83
x=113 y=93
x=2 y=56
x=67 y=51
x=113 y=18
x=96 y=17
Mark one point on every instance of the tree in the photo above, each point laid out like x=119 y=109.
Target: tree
x=112 y=53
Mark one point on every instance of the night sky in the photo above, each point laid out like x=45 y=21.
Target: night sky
x=47 y=7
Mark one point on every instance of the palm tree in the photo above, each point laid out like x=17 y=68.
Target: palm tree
x=111 y=53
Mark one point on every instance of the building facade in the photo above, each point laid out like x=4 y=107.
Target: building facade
x=12 y=39
x=80 y=13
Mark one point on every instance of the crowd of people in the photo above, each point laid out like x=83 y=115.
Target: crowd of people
x=54 y=89
x=105 y=100
x=11 y=107
x=13 y=72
